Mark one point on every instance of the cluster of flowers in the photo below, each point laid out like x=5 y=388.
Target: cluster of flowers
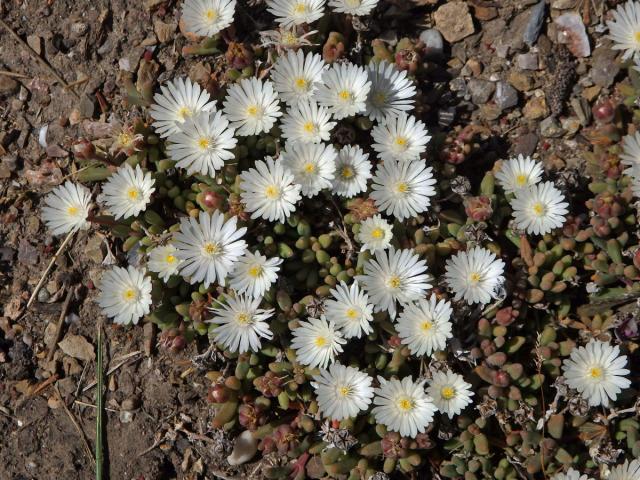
x=212 y=249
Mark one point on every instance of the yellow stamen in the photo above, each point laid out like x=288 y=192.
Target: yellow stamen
x=309 y=127
x=309 y=167
x=426 y=325
x=211 y=15
x=521 y=180
x=347 y=172
x=474 y=277
x=255 y=271
x=352 y=313
x=272 y=192
x=124 y=138
x=299 y=8
x=129 y=294
x=401 y=141
x=402 y=187
x=344 y=391
x=320 y=341
x=301 y=83
x=133 y=193
x=289 y=38
x=184 y=112
x=538 y=209
x=72 y=210
x=405 y=404
x=394 y=282
x=447 y=393
x=204 y=143
x=379 y=98
x=377 y=233
x=636 y=37
x=170 y=258
x=344 y=95
x=211 y=248
x=242 y=318
x=595 y=373
x=252 y=111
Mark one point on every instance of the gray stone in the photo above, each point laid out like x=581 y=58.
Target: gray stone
x=526 y=144
x=527 y=61
x=534 y=23
x=8 y=86
x=433 y=42
x=480 y=90
x=572 y=33
x=604 y=67
x=506 y=96
x=550 y=128
x=454 y=21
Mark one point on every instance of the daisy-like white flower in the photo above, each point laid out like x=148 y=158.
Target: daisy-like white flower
x=630 y=155
x=254 y=273
x=296 y=76
x=626 y=471
x=252 y=106
x=307 y=123
x=353 y=7
x=268 y=190
x=403 y=189
x=125 y=294
x=207 y=17
x=67 y=208
x=474 y=275
x=401 y=138
x=350 y=310
x=317 y=342
x=241 y=324
x=394 y=276
x=209 y=247
x=344 y=90
x=571 y=474
x=597 y=372
x=375 y=234
x=128 y=191
x=403 y=406
x=296 y=12
x=540 y=208
x=391 y=91
x=519 y=172
x=164 y=261
x=342 y=391
x=450 y=393
x=624 y=29
x=425 y=326
x=179 y=100
x=203 y=143
x=634 y=172
x=313 y=165
x=353 y=170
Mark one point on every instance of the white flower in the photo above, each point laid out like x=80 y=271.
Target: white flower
x=474 y=275
x=203 y=143
x=208 y=247
x=634 y=172
x=391 y=91
x=450 y=393
x=626 y=471
x=350 y=310
x=254 y=273
x=570 y=475
x=317 y=342
x=597 y=372
x=624 y=29
x=128 y=191
x=307 y=123
x=67 y=208
x=519 y=172
x=241 y=324
x=163 y=261
x=403 y=189
x=630 y=155
x=401 y=138
x=342 y=391
x=252 y=106
x=269 y=191
x=179 y=100
x=296 y=12
x=394 y=276
x=344 y=90
x=539 y=209
x=125 y=294
x=313 y=165
x=207 y=17
x=425 y=325
x=296 y=76
x=403 y=406
x=375 y=234
x=353 y=7
x=353 y=169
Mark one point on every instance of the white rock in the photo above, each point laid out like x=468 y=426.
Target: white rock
x=244 y=449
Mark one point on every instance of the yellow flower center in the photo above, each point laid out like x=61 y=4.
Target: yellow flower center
x=344 y=95
x=252 y=111
x=309 y=127
x=401 y=141
x=301 y=83
x=347 y=172
x=538 y=209
x=309 y=167
x=255 y=271
x=170 y=258
x=379 y=97
x=204 y=143
x=289 y=38
x=242 y=318
x=405 y=404
x=272 y=192
x=125 y=138
x=299 y=8
x=133 y=194
x=447 y=393
x=184 y=112
x=426 y=325
x=320 y=341
x=211 y=15
x=394 y=282
x=636 y=36
x=211 y=248
x=521 y=180
x=474 y=277
x=353 y=3
x=402 y=187
x=595 y=373
x=352 y=313
x=377 y=233
x=344 y=391
x=73 y=211
x=129 y=295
